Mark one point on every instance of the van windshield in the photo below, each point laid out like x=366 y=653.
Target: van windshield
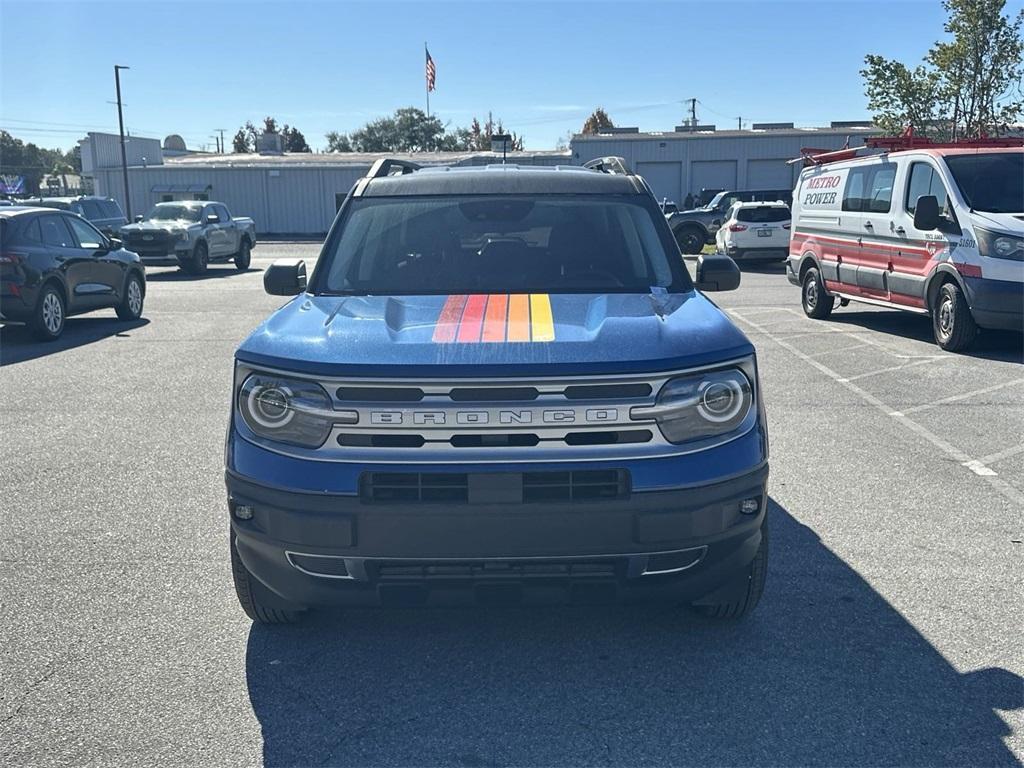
x=476 y=244
x=992 y=182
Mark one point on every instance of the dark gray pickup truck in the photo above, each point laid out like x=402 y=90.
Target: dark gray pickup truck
x=191 y=234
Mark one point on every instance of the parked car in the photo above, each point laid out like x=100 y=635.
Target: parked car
x=497 y=382
x=191 y=235
x=696 y=228
x=104 y=213
x=55 y=264
x=755 y=231
x=937 y=230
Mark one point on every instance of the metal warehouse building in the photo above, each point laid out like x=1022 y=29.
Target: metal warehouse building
x=689 y=160
x=298 y=194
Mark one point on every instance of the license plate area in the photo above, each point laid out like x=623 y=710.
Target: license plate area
x=764 y=233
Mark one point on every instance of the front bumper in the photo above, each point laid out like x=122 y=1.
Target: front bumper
x=997 y=304
x=324 y=549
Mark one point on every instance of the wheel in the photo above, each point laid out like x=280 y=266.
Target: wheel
x=130 y=307
x=747 y=591
x=690 y=239
x=199 y=261
x=244 y=256
x=247 y=590
x=47 y=321
x=816 y=302
x=952 y=322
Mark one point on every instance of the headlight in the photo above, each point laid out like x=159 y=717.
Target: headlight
x=998 y=245
x=702 y=406
x=184 y=235
x=288 y=410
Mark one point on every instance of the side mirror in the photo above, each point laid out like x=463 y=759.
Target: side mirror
x=285 y=277
x=717 y=272
x=212 y=218
x=138 y=217
x=926 y=215
x=115 y=243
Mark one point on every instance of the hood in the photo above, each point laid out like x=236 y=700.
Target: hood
x=487 y=335
x=159 y=226
x=999 y=222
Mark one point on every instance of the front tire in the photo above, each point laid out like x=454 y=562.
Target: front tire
x=690 y=240
x=816 y=302
x=47 y=322
x=244 y=256
x=952 y=321
x=746 y=590
x=199 y=261
x=247 y=590
x=130 y=307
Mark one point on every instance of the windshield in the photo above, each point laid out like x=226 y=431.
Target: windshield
x=991 y=182
x=552 y=244
x=174 y=213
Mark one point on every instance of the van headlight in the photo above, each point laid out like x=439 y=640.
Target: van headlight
x=288 y=410
x=702 y=406
x=998 y=245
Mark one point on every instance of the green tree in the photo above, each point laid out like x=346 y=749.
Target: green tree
x=293 y=139
x=598 y=119
x=338 y=142
x=968 y=86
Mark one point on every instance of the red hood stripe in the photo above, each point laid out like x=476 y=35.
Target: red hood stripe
x=448 y=321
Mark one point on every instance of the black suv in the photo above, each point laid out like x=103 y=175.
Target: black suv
x=104 y=213
x=54 y=264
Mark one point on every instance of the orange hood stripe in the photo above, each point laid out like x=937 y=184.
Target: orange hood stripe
x=495 y=319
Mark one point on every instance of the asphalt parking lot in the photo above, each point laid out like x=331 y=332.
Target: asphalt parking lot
x=889 y=633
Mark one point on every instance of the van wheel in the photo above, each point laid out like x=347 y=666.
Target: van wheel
x=690 y=239
x=130 y=307
x=746 y=590
x=47 y=322
x=952 y=322
x=816 y=302
x=247 y=591
x=244 y=256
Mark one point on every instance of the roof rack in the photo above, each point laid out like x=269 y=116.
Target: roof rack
x=385 y=165
x=610 y=164
x=907 y=140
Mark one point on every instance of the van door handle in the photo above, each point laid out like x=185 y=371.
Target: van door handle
x=900 y=231
x=868 y=225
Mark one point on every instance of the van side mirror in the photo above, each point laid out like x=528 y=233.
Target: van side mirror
x=926 y=215
x=212 y=218
x=717 y=272
x=285 y=277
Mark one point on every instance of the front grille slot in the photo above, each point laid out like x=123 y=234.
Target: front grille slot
x=606 y=391
x=381 y=441
x=493 y=394
x=618 y=437
x=379 y=394
x=454 y=487
x=492 y=570
x=519 y=440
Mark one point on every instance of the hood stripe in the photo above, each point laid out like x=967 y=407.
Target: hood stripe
x=541 y=322
x=472 y=319
x=448 y=321
x=519 y=317
x=494 y=318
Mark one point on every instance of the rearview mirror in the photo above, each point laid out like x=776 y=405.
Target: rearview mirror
x=717 y=272
x=138 y=217
x=926 y=215
x=285 y=277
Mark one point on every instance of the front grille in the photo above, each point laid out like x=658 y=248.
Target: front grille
x=505 y=487
x=492 y=570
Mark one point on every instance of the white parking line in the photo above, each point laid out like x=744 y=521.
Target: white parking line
x=999 y=485
x=957 y=398
x=860 y=336
x=992 y=458
x=895 y=368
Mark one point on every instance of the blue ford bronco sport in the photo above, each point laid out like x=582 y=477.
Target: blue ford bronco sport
x=498 y=383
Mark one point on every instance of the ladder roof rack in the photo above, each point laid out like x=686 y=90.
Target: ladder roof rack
x=385 y=166
x=609 y=164
x=810 y=156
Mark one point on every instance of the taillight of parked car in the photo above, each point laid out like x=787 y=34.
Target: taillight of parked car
x=737 y=228
x=10 y=257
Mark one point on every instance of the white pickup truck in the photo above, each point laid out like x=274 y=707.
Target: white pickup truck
x=191 y=234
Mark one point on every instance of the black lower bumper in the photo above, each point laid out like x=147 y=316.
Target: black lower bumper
x=677 y=545
x=997 y=304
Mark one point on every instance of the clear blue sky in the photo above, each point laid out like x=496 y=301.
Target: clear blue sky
x=541 y=67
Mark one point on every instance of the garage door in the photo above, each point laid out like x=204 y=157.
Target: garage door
x=663 y=177
x=712 y=174
x=769 y=174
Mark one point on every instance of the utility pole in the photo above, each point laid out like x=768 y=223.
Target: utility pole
x=693 y=114
x=120 y=125
x=221 y=131
x=739 y=123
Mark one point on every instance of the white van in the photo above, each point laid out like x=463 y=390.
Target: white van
x=937 y=230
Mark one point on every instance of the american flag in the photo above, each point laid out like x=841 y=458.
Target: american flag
x=431 y=72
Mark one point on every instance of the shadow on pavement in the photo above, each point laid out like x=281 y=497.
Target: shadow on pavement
x=17 y=344
x=1005 y=346
x=763 y=267
x=213 y=272
x=826 y=672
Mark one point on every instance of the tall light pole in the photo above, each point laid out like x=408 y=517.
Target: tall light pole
x=120 y=124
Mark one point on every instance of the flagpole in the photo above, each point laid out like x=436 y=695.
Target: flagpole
x=426 y=83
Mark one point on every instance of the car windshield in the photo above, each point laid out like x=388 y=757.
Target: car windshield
x=174 y=213
x=427 y=245
x=763 y=214
x=992 y=182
